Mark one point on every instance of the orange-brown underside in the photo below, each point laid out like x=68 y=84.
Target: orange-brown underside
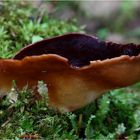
x=70 y=88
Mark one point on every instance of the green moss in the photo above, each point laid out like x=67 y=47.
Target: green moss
x=20 y=23
x=114 y=115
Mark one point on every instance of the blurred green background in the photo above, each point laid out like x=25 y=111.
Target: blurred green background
x=111 y=20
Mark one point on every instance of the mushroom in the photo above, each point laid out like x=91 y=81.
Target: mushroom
x=77 y=68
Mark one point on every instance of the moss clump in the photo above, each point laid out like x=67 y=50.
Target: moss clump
x=20 y=24
x=114 y=115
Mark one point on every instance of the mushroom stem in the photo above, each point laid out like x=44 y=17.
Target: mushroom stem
x=69 y=88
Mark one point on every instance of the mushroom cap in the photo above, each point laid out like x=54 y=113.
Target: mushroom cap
x=72 y=85
x=79 y=49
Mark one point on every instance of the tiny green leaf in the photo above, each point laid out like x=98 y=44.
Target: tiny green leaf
x=36 y=38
